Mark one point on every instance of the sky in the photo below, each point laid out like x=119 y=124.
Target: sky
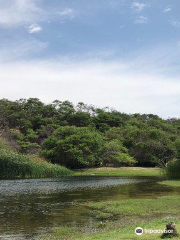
x=123 y=54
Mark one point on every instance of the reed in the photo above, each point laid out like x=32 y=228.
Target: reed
x=173 y=169
x=17 y=165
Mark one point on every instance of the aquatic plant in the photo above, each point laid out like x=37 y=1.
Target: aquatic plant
x=173 y=169
x=17 y=165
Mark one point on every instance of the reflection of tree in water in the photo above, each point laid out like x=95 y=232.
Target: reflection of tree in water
x=30 y=213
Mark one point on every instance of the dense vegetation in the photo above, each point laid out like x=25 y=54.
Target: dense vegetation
x=173 y=169
x=86 y=136
x=14 y=164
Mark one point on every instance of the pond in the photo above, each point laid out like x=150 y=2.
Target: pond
x=32 y=207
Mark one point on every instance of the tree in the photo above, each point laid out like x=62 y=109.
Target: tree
x=80 y=119
x=74 y=147
x=115 y=154
x=148 y=139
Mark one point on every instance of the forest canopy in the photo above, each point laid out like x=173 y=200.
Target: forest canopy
x=87 y=136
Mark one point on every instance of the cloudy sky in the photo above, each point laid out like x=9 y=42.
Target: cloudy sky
x=123 y=54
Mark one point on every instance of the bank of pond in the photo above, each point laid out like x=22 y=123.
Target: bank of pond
x=45 y=201
x=87 y=207
x=17 y=165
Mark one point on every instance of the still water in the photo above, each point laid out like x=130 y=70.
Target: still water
x=32 y=207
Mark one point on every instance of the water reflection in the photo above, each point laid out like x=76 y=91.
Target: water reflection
x=33 y=206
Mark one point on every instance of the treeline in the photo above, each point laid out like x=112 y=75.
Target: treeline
x=86 y=136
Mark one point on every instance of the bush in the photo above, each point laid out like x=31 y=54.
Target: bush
x=4 y=145
x=173 y=169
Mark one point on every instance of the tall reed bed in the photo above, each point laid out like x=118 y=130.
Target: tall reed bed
x=17 y=165
x=173 y=169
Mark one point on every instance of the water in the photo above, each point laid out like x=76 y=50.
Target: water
x=32 y=207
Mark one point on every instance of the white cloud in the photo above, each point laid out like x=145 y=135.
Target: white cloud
x=167 y=9
x=139 y=85
x=21 y=49
x=141 y=20
x=139 y=6
x=67 y=12
x=175 y=23
x=22 y=12
x=13 y=12
x=34 y=28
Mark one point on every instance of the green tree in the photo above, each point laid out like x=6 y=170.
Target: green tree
x=115 y=154
x=74 y=147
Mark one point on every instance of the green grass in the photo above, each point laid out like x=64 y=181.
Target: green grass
x=118 y=219
x=128 y=233
x=62 y=233
x=16 y=165
x=166 y=205
x=172 y=183
x=135 y=212
x=121 y=172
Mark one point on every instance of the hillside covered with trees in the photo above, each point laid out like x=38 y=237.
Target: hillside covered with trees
x=86 y=136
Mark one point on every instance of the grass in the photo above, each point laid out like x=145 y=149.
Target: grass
x=121 y=172
x=17 y=165
x=135 y=213
x=119 y=219
x=128 y=233
x=171 y=183
x=61 y=233
x=166 y=205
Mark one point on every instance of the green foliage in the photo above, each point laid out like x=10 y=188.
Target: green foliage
x=25 y=145
x=31 y=135
x=148 y=145
x=4 y=145
x=173 y=169
x=26 y=141
x=15 y=165
x=74 y=147
x=86 y=136
x=116 y=154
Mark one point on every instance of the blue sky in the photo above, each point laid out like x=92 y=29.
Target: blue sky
x=119 y=53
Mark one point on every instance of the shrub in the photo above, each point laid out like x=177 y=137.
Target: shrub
x=173 y=169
